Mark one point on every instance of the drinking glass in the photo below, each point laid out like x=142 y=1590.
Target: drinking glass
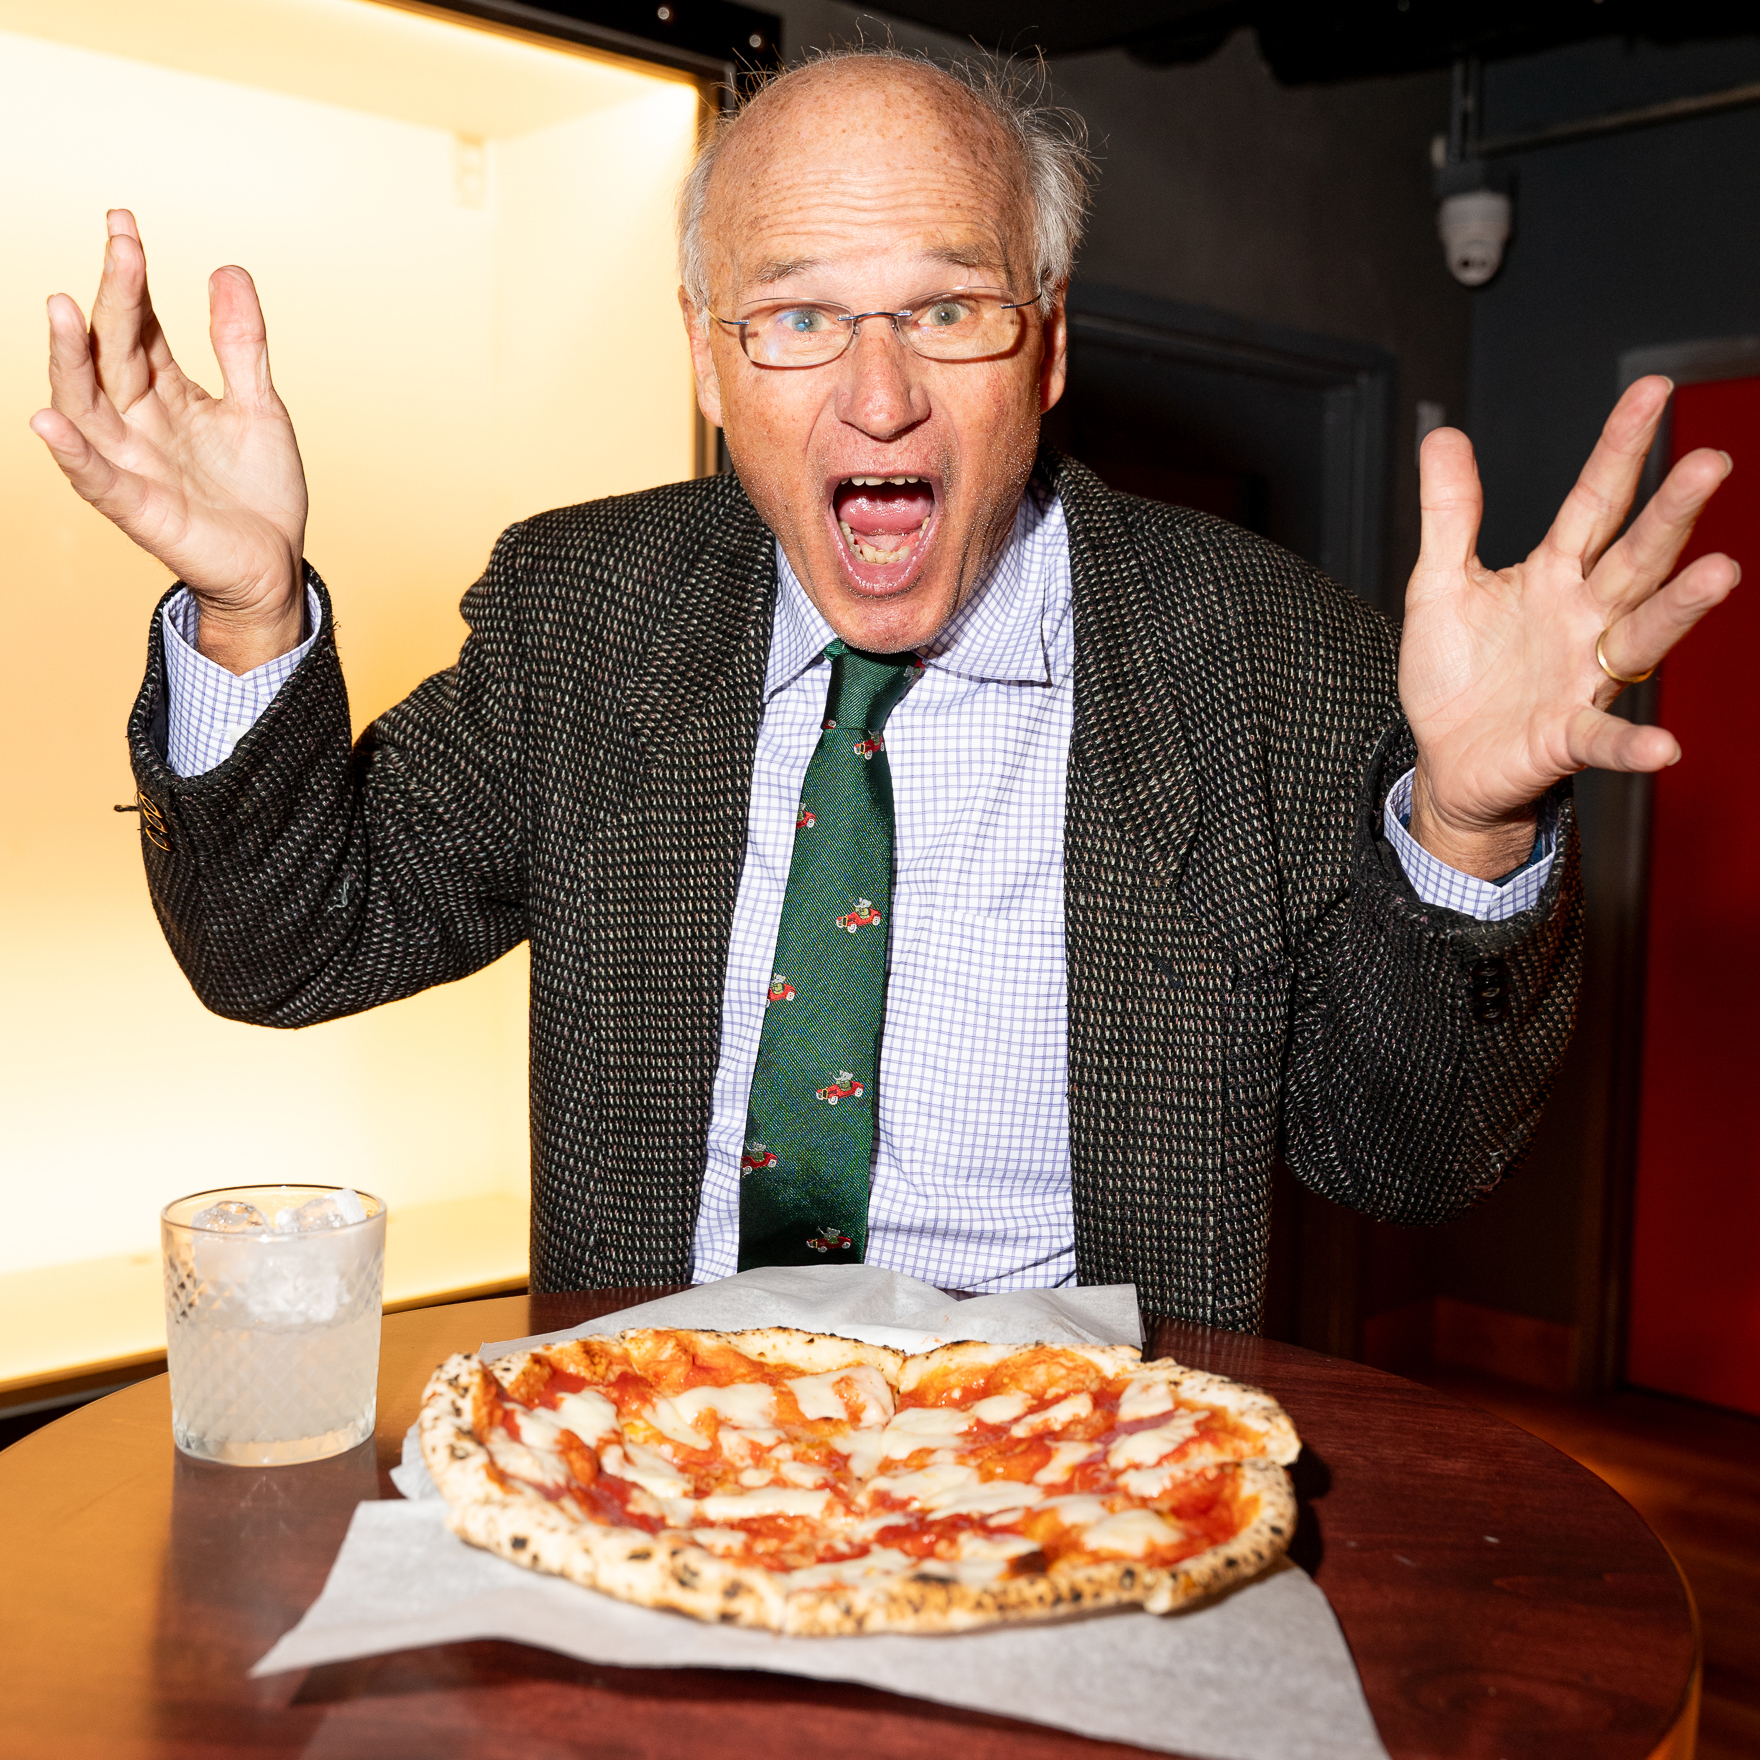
x=272 y=1304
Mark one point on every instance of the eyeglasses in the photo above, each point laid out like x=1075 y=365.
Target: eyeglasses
x=963 y=324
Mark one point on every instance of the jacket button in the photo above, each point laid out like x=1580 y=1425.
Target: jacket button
x=1488 y=990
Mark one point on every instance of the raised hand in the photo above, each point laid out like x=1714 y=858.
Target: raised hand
x=213 y=487
x=1498 y=672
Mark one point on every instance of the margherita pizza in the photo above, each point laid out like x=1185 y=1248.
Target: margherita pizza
x=816 y=1485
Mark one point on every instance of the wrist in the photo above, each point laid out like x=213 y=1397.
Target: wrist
x=243 y=636
x=1487 y=848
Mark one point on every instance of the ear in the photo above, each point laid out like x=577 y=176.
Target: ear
x=702 y=360
x=1054 y=364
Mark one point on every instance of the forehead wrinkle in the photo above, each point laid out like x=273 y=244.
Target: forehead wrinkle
x=828 y=154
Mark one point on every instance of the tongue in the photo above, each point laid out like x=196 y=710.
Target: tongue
x=888 y=510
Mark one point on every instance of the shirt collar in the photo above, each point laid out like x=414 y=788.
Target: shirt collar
x=1015 y=628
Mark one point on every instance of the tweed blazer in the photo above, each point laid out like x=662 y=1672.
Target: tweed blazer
x=1249 y=971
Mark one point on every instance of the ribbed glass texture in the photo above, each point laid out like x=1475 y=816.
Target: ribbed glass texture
x=273 y=1336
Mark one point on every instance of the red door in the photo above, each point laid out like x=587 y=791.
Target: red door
x=1695 y=1316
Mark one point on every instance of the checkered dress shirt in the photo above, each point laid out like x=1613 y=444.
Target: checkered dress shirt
x=971 y=1175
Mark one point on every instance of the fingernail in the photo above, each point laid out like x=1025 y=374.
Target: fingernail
x=1726 y=458
x=1669 y=383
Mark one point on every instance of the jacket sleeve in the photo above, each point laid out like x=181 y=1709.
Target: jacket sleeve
x=300 y=880
x=1423 y=1042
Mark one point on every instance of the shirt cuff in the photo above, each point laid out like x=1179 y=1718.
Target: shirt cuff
x=1491 y=901
x=209 y=710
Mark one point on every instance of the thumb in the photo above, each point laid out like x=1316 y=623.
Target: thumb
x=1450 y=501
x=240 y=340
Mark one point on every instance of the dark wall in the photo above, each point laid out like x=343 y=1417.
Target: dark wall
x=1637 y=239
x=1307 y=208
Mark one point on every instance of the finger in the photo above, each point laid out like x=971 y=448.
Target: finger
x=73 y=380
x=1596 y=506
x=240 y=338
x=1630 y=571
x=1638 y=642
x=1596 y=740
x=125 y=325
x=1451 y=503
x=121 y=314
x=118 y=494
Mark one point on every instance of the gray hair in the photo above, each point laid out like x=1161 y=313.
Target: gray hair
x=1050 y=143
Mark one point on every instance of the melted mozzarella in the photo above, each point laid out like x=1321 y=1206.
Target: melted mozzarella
x=918 y=1424
x=1078 y=1405
x=748 y=1445
x=591 y=1416
x=913 y=1428
x=1132 y=1532
x=1065 y=1458
x=801 y=1473
x=1000 y=1408
x=998 y=1499
x=747 y=1403
x=537 y=1466
x=645 y=1467
x=927 y=1488
x=681 y=1418
x=1074 y=1510
x=859 y=1396
x=1147 y=1396
x=775 y=1500
x=877 y=1561
x=1143 y=1448
x=953 y=1489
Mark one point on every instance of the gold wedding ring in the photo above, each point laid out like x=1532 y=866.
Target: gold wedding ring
x=1601 y=661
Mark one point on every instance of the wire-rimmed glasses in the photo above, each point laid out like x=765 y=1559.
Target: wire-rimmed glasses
x=960 y=324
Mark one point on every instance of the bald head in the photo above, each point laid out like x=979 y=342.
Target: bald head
x=867 y=109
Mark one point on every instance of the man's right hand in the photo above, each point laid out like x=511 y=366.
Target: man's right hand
x=212 y=487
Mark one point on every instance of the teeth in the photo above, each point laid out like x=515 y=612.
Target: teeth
x=876 y=482
x=867 y=552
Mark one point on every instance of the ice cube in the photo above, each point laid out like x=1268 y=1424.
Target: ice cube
x=231 y=1216
x=328 y=1210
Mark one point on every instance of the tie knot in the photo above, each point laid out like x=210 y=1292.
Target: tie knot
x=865 y=688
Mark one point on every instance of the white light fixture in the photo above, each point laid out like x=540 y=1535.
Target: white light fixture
x=1475 y=227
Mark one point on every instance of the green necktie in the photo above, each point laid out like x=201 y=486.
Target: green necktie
x=803 y=1195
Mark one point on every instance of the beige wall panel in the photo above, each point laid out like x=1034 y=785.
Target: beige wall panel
x=455 y=355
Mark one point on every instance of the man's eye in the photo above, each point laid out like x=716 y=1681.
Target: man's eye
x=802 y=321
x=945 y=313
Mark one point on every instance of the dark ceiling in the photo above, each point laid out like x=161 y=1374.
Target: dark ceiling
x=1310 y=40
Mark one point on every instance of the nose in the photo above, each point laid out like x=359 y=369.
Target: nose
x=880 y=393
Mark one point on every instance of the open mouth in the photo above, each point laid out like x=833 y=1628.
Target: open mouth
x=884 y=523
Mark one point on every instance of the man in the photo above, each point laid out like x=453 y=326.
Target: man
x=1099 y=808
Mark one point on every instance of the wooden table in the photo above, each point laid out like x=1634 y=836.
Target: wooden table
x=1500 y=1601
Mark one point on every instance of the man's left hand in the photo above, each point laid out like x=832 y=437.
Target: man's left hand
x=1497 y=669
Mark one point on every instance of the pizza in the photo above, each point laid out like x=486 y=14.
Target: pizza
x=817 y=1485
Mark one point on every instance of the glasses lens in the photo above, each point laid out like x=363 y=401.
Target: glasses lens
x=795 y=336
x=963 y=326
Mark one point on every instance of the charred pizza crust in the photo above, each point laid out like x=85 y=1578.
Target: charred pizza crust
x=669 y=1569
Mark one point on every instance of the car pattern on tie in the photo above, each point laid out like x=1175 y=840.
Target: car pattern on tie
x=846 y=1087
x=866 y=748
x=863 y=914
x=829 y=1240
x=756 y=1158
x=806 y=821
x=780 y=990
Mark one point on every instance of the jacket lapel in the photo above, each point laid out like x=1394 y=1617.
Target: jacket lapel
x=1129 y=746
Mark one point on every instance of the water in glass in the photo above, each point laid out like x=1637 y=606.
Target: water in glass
x=272 y=1304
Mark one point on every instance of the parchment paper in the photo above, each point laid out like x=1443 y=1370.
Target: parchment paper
x=1262 y=1674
